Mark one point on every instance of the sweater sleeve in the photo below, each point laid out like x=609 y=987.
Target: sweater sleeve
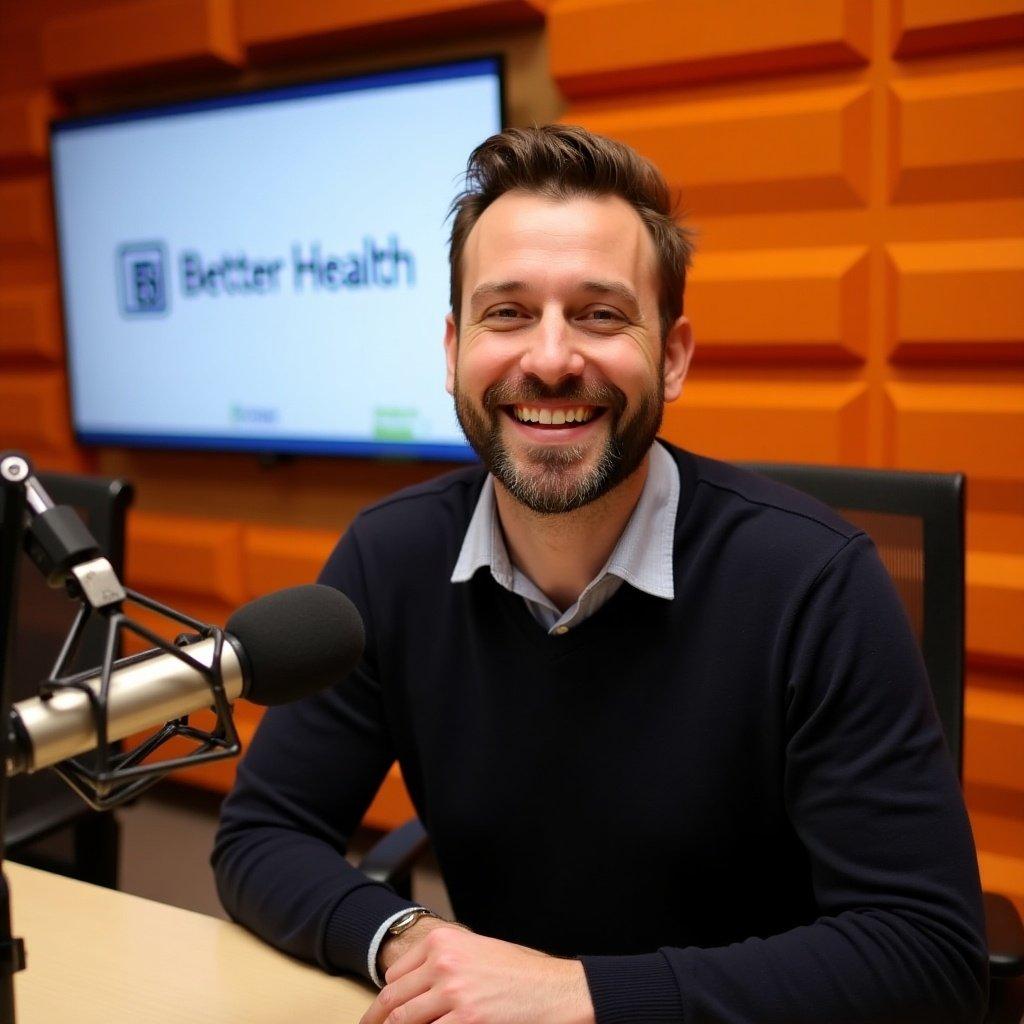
x=873 y=797
x=302 y=788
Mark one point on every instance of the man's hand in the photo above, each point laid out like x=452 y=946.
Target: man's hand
x=445 y=972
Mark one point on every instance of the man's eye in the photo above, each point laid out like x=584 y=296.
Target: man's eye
x=503 y=313
x=604 y=316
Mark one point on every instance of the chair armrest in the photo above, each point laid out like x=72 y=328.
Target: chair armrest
x=1005 y=935
x=391 y=859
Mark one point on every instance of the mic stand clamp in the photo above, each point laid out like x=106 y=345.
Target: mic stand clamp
x=96 y=582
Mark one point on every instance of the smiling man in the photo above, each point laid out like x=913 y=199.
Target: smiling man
x=664 y=721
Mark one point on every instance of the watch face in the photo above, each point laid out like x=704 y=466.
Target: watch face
x=405 y=921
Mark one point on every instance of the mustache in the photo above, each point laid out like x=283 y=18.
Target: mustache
x=519 y=390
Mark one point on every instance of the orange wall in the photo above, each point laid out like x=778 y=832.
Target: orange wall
x=855 y=170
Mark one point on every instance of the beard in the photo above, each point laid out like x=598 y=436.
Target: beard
x=553 y=479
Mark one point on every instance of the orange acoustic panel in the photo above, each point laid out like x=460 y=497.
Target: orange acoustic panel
x=191 y=556
x=1003 y=873
x=773 y=422
x=277 y=557
x=994 y=776
x=604 y=46
x=33 y=413
x=28 y=323
x=997 y=820
x=271 y=29
x=24 y=122
x=957 y=300
x=140 y=39
x=795 y=304
x=934 y=26
x=995 y=605
x=963 y=427
x=994 y=754
x=391 y=806
x=995 y=515
x=764 y=152
x=958 y=136
x=997 y=817
x=25 y=219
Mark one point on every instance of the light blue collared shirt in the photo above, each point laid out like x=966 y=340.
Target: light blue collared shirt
x=642 y=557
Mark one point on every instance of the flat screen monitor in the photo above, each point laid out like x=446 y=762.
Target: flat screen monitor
x=268 y=271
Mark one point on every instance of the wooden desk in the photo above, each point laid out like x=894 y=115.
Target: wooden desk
x=101 y=957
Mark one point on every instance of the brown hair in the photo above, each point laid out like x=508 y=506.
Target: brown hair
x=561 y=162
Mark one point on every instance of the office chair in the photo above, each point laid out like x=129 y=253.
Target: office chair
x=49 y=826
x=917 y=523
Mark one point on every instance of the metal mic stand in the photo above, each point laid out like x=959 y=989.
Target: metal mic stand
x=65 y=551
x=12 y=950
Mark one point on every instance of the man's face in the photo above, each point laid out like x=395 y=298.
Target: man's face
x=558 y=369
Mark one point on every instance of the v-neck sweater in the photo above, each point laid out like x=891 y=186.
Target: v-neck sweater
x=735 y=806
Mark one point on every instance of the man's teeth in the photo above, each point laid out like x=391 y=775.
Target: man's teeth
x=581 y=414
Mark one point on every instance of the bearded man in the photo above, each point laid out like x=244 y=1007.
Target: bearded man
x=664 y=721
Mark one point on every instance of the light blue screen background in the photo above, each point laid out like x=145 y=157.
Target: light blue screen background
x=309 y=369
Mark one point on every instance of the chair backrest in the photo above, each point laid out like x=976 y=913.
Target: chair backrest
x=39 y=802
x=917 y=523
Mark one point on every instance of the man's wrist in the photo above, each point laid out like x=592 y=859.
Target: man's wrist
x=381 y=936
x=393 y=947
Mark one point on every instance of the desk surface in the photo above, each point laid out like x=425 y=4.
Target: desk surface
x=97 y=957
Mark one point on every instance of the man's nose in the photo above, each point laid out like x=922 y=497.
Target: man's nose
x=551 y=353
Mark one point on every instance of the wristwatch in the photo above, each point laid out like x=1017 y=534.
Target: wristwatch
x=408 y=919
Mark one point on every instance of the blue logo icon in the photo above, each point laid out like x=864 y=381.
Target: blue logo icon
x=142 y=278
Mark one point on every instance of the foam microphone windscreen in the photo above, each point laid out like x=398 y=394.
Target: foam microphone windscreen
x=297 y=641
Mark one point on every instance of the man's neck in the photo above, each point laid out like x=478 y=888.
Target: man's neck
x=562 y=553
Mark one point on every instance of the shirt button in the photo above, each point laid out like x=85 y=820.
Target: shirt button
x=561 y=630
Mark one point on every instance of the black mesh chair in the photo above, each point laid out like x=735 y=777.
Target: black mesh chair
x=48 y=826
x=917 y=523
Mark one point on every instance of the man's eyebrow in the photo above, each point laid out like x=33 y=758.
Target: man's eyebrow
x=620 y=291
x=491 y=288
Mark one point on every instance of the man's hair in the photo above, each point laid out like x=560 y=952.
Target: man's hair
x=561 y=162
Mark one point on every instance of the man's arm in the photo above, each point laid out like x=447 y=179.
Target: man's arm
x=873 y=797
x=302 y=788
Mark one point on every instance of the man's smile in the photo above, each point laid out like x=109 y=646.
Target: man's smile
x=554 y=415
x=545 y=422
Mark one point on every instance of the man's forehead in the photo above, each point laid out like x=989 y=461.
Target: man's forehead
x=521 y=227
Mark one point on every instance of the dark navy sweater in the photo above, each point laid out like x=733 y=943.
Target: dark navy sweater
x=735 y=806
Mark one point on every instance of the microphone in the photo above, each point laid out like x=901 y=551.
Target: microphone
x=277 y=649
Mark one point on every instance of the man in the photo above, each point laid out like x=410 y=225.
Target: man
x=664 y=720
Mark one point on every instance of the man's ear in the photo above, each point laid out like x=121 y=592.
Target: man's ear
x=451 y=351
x=678 y=352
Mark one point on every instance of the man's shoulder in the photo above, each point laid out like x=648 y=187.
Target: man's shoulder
x=425 y=511
x=721 y=490
x=412 y=535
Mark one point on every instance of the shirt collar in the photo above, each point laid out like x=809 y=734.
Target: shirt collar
x=642 y=556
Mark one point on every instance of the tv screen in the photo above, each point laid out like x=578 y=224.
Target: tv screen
x=268 y=271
